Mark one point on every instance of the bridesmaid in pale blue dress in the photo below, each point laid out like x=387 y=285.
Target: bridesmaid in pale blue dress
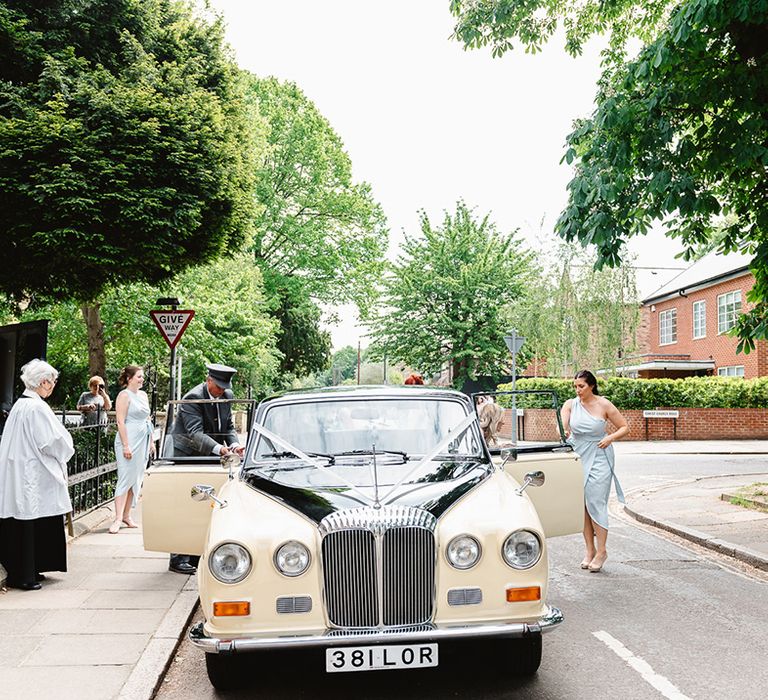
x=133 y=444
x=585 y=419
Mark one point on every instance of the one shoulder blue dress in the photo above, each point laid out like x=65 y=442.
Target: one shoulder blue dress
x=130 y=472
x=598 y=464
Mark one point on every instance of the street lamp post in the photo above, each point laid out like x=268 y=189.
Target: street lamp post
x=514 y=343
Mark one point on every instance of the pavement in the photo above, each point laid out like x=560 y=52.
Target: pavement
x=698 y=509
x=105 y=629
x=109 y=627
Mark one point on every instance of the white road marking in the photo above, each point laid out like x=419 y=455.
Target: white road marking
x=663 y=685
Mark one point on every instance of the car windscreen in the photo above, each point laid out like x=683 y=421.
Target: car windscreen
x=344 y=434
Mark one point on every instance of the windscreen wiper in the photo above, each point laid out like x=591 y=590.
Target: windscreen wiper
x=331 y=458
x=348 y=453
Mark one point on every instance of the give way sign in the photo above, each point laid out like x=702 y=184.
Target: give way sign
x=172 y=324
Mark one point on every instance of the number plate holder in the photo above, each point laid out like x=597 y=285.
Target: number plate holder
x=380 y=657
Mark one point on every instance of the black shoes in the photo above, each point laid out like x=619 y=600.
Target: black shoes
x=182 y=567
x=24 y=585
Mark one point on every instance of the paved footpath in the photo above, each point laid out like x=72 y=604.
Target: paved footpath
x=105 y=629
x=694 y=509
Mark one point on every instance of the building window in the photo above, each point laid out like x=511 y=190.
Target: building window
x=728 y=308
x=732 y=371
x=699 y=319
x=668 y=327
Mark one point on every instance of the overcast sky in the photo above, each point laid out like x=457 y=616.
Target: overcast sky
x=424 y=121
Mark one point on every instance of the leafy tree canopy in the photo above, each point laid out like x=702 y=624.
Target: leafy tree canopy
x=574 y=317
x=680 y=132
x=125 y=154
x=314 y=223
x=304 y=346
x=241 y=334
x=443 y=298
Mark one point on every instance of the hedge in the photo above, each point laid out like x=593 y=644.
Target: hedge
x=692 y=392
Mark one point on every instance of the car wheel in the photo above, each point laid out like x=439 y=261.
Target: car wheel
x=226 y=672
x=526 y=655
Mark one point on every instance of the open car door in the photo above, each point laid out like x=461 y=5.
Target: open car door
x=523 y=431
x=172 y=520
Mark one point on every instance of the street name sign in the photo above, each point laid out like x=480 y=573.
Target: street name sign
x=172 y=324
x=661 y=414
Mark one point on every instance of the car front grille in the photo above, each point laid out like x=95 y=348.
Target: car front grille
x=379 y=571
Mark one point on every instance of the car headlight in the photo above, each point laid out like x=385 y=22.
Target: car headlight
x=292 y=558
x=522 y=549
x=463 y=552
x=230 y=562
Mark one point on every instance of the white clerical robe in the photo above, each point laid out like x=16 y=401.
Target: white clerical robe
x=34 y=452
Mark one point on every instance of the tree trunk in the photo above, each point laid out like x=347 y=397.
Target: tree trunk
x=97 y=360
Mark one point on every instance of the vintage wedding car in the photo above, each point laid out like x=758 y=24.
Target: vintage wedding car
x=372 y=524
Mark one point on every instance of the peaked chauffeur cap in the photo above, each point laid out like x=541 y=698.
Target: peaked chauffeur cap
x=221 y=375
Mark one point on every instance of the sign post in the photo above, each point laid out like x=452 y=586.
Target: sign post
x=172 y=325
x=514 y=343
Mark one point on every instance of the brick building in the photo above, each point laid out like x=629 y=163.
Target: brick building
x=684 y=324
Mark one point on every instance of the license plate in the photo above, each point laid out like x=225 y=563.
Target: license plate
x=379 y=658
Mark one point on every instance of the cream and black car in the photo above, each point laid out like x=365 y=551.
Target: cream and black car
x=372 y=525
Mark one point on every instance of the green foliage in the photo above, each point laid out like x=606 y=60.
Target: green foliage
x=680 y=132
x=443 y=299
x=231 y=325
x=125 y=154
x=573 y=316
x=650 y=394
x=305 y=348
x=314 y=222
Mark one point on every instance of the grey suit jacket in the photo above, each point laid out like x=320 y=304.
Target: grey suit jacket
x=198 y=428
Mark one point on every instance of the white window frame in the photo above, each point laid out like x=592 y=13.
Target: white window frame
x=699 y=319
x=728 y=309
x=672 y=335
x=731 y=371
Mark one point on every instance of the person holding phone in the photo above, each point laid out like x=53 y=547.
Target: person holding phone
x=94 y=404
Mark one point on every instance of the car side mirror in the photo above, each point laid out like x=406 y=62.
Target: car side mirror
x=204 y=492
x=507 y=453
x=230 y=462
x=536 y=478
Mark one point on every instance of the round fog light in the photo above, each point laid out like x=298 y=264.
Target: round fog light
x=230 y=562
x=292 y=559
x=521 y=550
x=463 y=552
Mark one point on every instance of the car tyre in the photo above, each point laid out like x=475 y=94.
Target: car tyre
x=226 y=672
x=526 y=655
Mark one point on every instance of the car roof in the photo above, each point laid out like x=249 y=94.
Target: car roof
x=365 y=392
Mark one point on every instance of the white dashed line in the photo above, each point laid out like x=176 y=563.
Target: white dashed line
x=664 y=686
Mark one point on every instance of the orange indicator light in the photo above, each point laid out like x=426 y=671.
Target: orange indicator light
x=517 y=595
x=231 y=608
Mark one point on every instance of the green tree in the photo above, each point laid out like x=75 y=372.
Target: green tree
x=443 y=298
x=231 y=325
x=125 y=152
x=304 y=346
x=314 y=222
x=680 y=131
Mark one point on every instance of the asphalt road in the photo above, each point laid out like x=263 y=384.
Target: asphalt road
x=664 y=619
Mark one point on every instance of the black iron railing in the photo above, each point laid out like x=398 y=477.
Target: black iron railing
x=92 y=469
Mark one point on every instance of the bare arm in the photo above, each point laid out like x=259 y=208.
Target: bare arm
x=121 y=411
x=565 y=417
x=107 y=400
x=613 y=415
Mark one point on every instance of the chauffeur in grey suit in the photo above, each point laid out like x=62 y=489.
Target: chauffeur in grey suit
x=202 y=429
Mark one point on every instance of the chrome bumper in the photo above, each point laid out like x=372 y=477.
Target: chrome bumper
x=336 y=637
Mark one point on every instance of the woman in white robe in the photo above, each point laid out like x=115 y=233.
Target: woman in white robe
x=34 y=451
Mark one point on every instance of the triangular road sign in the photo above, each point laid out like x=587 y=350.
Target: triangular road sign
x=172 y=324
